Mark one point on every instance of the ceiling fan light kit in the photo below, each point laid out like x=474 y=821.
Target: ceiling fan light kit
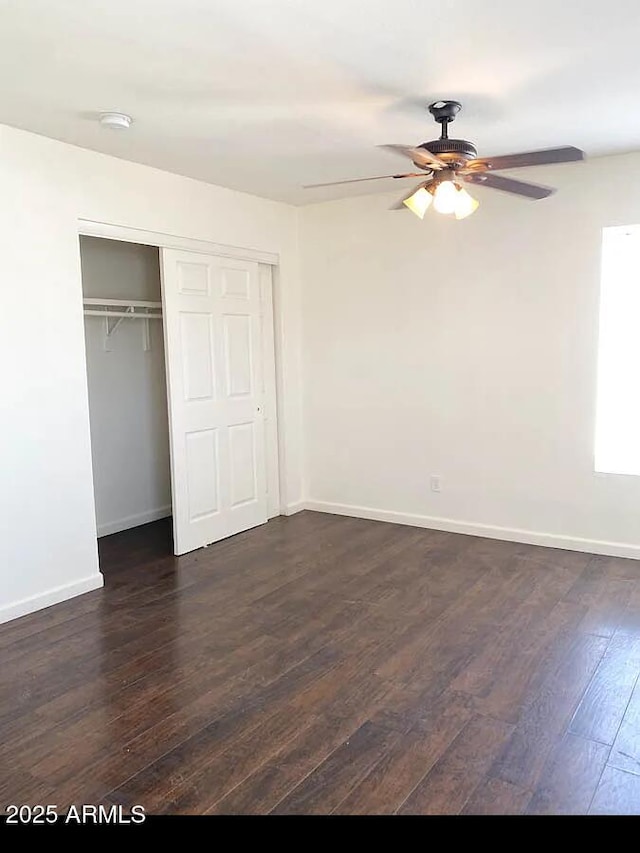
x=447 y=163
x=447 y=196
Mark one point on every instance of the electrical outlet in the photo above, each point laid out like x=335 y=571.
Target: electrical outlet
x=436 y=483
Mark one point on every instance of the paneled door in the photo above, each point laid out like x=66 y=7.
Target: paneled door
x=211 y=309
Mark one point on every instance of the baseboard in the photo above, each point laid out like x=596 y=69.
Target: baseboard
x=488 y=531
x=133 y=521
x=293 y=508
x=51 y=596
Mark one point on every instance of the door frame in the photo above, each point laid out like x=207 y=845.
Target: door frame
x=271 y=343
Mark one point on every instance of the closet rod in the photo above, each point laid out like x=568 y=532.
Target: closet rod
x=129 y=314
x=129 y=303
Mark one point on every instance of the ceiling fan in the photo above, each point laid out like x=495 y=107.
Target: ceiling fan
x=446 y=163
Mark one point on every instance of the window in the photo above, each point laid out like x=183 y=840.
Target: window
x=617 y=449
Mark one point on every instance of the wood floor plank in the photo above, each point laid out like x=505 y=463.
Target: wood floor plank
x=617 y=567
x=570 y=778
x=608 y=609
x=262 y=790
x=23 y=789
x=603 y=706
x=625 y=752
x=517 y=679
x=604 y=588
x=322 y=791
x=391 y=779
x=94 y=781
x=525 y=635
x=497 y=797
x=451 y=782
x=165 y=752
x=546 y=717
x=629 y=622
x=618 y=793
x=450 y=640
x=132 y=716
x=194 y=784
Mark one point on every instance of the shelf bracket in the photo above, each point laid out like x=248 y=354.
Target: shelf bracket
x=109 y=330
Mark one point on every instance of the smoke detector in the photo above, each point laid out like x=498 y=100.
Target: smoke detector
x=115 y=121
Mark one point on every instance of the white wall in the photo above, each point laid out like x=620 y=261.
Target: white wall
x=127 y=390
x=48 y=545
x=112 y=269
x=466 y=349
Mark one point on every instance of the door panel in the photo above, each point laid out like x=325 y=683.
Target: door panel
x=202 y=473
x=242 y=458
x=237 y=354
x=193 y=277
x=236 y=283
x=214 y=371
x=196 y=340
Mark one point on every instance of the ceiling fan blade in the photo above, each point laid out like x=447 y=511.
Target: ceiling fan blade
x=359 y=180
x=567 y=154
x=400 y=204
x=510 y=185
x=420 y=156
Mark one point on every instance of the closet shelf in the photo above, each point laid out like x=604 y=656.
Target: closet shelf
x=130 y=308
x=132 y=315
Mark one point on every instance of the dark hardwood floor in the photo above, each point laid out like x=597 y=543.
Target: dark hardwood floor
x=323 y=664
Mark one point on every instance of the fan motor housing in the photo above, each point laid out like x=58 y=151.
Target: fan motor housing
x=451 y=150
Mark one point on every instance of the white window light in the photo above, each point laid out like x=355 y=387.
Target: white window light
x=617 y=444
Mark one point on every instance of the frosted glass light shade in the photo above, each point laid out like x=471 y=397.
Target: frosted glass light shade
x=419 y=202
x=465 y=204
x=445 y=196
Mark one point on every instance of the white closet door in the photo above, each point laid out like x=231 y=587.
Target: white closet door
x=214 y=372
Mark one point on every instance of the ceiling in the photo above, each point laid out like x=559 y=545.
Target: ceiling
x=267 y=95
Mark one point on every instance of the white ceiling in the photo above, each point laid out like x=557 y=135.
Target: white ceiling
x=267 y=95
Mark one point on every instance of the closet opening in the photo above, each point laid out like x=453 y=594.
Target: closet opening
x=128 y=409
x=182 y=387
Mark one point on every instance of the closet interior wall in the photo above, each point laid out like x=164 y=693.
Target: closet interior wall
x=127 y=387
